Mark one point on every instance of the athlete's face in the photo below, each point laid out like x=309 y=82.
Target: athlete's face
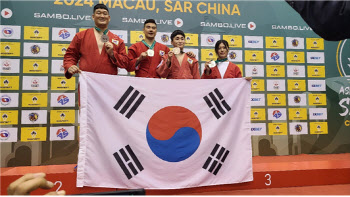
x=101 y=17
x=178 y=41
x=150 y=30
x=222 y=51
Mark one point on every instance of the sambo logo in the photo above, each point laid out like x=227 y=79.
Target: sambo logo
x=295 y=42
x=64 y=34
x=33 y=117
x=298 y=128
x=35 y=49
x=174 y=133
x=62 y=99
x=4 y=135
x=210 y=40
x=62 y=133
x=232 y=55
x=165 y=38
x=7 y=32
x=5 y=100
x=274 y=56
x=297 y=99
x=277 y=114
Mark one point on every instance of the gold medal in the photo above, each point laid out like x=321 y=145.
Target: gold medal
x=150 y=52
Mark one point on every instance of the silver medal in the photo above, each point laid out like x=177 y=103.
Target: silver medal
x=150 y=52
x=176 y=50
x=104 y=38
x=212 y=64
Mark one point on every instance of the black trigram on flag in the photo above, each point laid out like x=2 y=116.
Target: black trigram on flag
x=128 y=162
x=219 y=103
x=216 y=159
x=130 y=104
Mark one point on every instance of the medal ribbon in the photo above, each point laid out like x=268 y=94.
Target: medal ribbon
x=98 y=29
x=223 y=60
x=150 y=47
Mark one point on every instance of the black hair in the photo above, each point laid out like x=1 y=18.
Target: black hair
x=218 y=44
x=149 y=21
x=100 y=6
x=175 y=33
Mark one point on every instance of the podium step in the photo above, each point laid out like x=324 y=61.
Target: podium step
x=269 y=172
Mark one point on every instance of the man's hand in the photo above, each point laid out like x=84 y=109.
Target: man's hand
x=29 y=183
x=109 y=49
x=143 y=55
x=170 y=55
x=248 y=78
x=191 y=54
x=74 y=69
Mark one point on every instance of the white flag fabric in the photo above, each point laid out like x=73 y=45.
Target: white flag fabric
x=163 y=134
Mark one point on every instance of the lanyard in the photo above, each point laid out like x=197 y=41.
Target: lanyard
x=150 y=47
x=223 y=60
x=98 y=29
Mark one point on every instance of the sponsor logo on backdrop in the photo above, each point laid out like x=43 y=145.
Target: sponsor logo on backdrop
x=62 y=133
x=7 y=31
x=63 y=83
x=232 y=55
x=36 y=32
x=4 y=116
x=35 y=66
x=296 y=71
x=33 y=117
x=178 y=22
x=59 y=16
x=6 y=13
x=33 y=134
x=35 y=83
x=7 y=48
x=4 y=135
x=274 y=56
x=297 y=99
x=276 y=85
x=251 y=25
x=277 y=114
x=64 y=50
x=6 y=82
x=6 y=65
x=64 y=34
x=295 y=42
x=256 y=129
x=298 y=128
x=35 y=49
x=291 y=28
x=254 y=71
x=62 y=99
x=63 y=116
x=35 y=99
x=5 y=100
x=253 y=41
x=210 y=40
x=164 y=38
